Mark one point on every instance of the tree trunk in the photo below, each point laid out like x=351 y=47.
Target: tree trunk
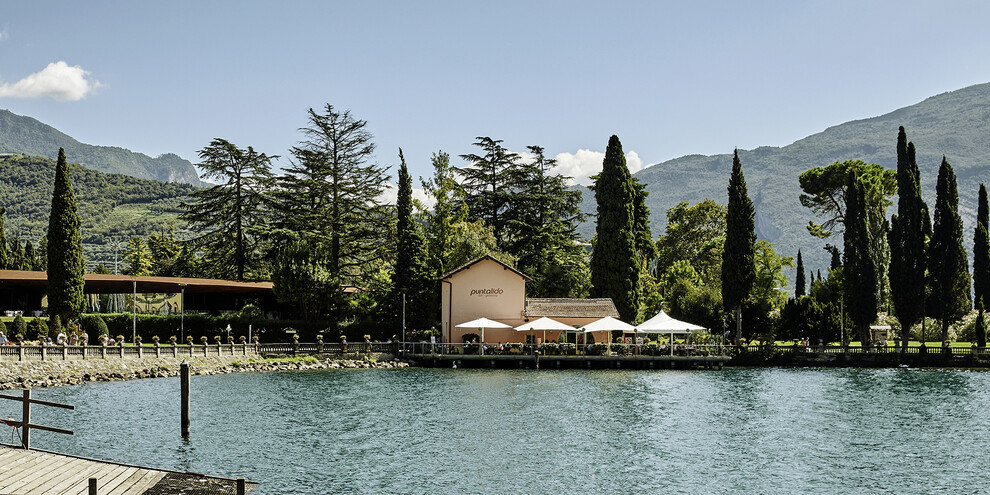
x=739 y=324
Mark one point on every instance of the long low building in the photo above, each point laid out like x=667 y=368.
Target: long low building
x=25 y=290
x=489 y=288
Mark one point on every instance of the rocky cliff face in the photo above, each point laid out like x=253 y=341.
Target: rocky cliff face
x=25 y=135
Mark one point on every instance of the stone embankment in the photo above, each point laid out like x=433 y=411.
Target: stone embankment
x=31 y=374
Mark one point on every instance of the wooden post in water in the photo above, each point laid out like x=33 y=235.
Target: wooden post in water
x=241 y=486
x=184 y=391
x=26 y=420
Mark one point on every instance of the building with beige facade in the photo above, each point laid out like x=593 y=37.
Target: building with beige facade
x=489 y=288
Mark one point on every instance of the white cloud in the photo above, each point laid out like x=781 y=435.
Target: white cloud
x=58 y=81
x=391 y=194
x=582 y=165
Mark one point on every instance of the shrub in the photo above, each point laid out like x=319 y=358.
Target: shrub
x=20 y=326
x=94 y=326
x=37 y=329
x=54 y=326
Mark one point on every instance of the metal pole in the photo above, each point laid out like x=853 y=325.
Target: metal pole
x=134 y=313
x=182 y=313
x=26 y=419
x=184 y=392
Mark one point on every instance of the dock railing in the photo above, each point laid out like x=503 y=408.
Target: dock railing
x=26 y=352
x=563 y=349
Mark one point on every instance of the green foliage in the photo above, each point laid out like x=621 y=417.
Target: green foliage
x=108 y=205
x=948 y=264
x=908 y=257
x=487 y=182
x=300 y=278
x=981 y=250
x=799 y=280
x=65 y=256
x=738 y=258
x=615 y=267
x=329 y=199
x=824 y=188
x=28 y=136
x=472 y=240
x=226 y=214
x=54 y=327
x=411 y=279
x=250 y=312
x=37 y=329
x=857 y=263
x=137 y=258
x=4 y=258
x=694 y=234
x=541 y=228
x=20 y=326
x=690 y=301
x=769 y=275
x=94 y=326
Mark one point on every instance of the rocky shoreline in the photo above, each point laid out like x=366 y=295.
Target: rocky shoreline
x=52 y=373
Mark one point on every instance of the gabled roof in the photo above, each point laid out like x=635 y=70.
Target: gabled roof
x=485 y=257
x=570 y=308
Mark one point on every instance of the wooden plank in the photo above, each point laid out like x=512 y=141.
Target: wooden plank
x=74 y=471
x=25 y=465
x=127 y=485
x=148 y=480
x=113 y=485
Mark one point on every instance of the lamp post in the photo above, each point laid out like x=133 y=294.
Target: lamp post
x=182 y=312
x=134 y=313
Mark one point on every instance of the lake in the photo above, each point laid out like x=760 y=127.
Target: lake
x=526 y=431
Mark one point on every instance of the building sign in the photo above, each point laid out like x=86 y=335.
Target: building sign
x=493 y=292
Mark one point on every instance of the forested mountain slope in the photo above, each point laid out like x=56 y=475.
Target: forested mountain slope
x=110 y=205
x=25 y=135
x=955 y=124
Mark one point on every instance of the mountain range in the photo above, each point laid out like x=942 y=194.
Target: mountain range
x=955 y=124
x=27 y=136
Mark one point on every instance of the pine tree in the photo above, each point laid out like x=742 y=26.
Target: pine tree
x=330 y=199
x=907 y=241
x=858 y=268
x=948 y=263
x=411 y=277
x=981 y=249
x=17 y=260
x=614 y=264
x=226 y=215
x=799 y=282
x=4 y=258
x=65 y=254
x=738 y=260
x=488 y=181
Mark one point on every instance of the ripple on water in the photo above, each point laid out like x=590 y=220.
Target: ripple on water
x=524 y=431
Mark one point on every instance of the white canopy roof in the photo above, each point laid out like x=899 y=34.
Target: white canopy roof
x=664 y=323
x=482 y=323
x=607 y=323
x=544 y=323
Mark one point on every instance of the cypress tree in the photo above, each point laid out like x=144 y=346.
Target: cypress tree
x=907 y=241
x=4 y=259
x=981 y=249
x=65 y=255
x=948 y=264
x=614 y=264
x=739 y=255
x=859 y=271
x=411 y=276
x=799 y=282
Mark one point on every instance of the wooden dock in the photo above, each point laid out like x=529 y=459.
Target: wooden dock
x=25 y=472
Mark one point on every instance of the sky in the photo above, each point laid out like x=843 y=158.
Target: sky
x=669 y=78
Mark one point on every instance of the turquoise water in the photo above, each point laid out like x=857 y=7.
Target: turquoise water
x=495 y=431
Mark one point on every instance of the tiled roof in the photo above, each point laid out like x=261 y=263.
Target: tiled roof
x=570 y=308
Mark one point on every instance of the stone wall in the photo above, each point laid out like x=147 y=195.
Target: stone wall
x=30 y=374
